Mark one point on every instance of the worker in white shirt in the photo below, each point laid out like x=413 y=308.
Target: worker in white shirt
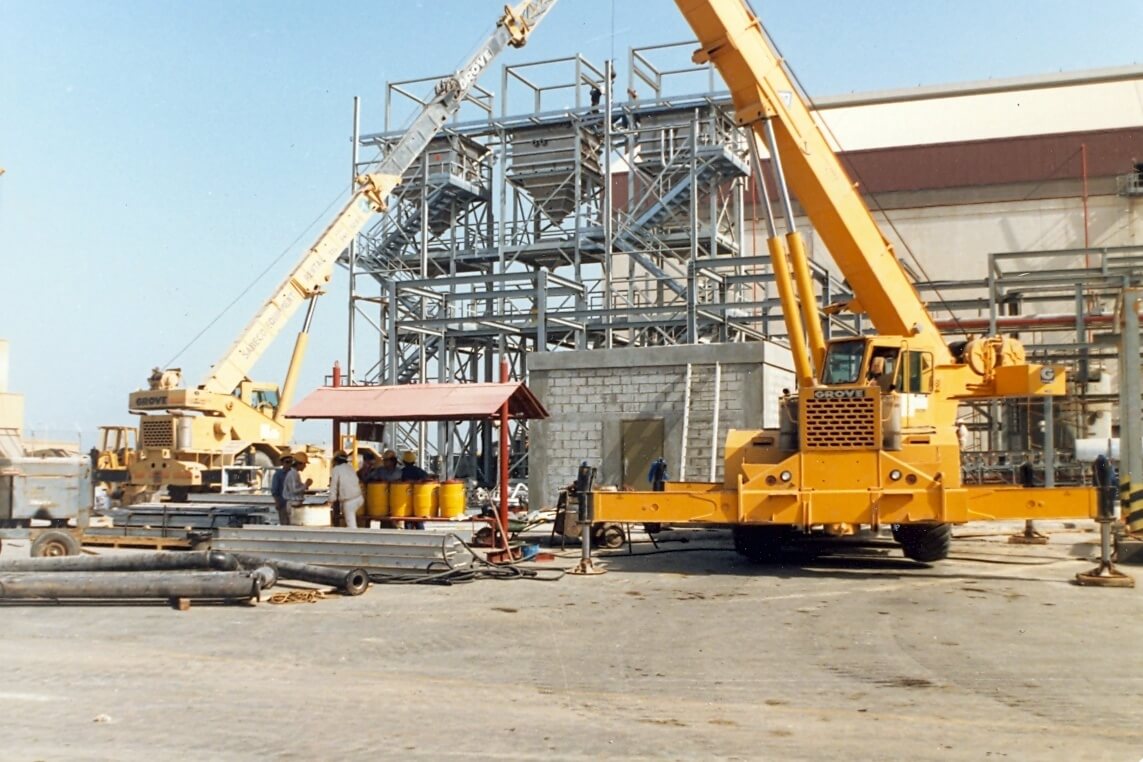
x=344 y=489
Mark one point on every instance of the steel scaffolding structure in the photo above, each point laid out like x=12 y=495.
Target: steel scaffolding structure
x=1066 y=306
x=553 y=215
x=507 y=237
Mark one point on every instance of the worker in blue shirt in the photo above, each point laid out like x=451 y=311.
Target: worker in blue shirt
x=277 y=485
x=411 y=472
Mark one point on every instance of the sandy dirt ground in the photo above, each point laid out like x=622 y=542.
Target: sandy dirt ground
x=687 y=653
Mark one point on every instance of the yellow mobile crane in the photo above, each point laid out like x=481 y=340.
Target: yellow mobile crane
x=869 y=436
x=195 y=439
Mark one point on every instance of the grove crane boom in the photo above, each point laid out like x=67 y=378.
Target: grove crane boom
x=228 y=418
x=870 y=435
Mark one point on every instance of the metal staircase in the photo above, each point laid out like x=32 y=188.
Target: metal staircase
x=640 y=238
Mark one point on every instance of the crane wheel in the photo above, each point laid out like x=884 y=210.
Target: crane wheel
x=925 y=543
x=54 y=545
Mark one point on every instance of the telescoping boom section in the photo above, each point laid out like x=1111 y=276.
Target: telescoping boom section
x=869 y=437
x=190 y=436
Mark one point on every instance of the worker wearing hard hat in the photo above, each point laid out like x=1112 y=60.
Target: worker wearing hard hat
x=368 y=463
x=278 y=486
x=410 y=471
x=344 y=489
x=388 y=471
x=294 y=491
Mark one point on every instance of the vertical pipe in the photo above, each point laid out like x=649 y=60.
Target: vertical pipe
x=1131 y=430
x=504 y=454
x=1086 y=220
x=353 y=244
x=336 y=422
x=608 y=97
x=541 y=310
x=692 y=213
x=1049 y=442
x=391 y=324
x=714 y=422
x=686 y=426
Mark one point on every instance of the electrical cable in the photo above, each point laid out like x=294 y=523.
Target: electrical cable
x=256 y=279
x=476 y=568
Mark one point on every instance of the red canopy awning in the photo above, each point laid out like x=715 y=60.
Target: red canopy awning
x=418 y=402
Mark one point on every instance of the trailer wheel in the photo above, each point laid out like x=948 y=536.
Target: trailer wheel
x=54 y=545
x=924 y=542
x=609 y=536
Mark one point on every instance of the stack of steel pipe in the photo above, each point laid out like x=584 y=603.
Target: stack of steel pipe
x=350 y=582
x=208 y=575
x=386 y=551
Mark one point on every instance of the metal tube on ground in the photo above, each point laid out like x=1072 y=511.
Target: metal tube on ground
x=225 y=585
x=216 y=560
x=350 y=582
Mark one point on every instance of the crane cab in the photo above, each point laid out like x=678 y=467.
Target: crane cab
x=872 y=393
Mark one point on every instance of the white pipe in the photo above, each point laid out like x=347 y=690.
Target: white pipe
x=714 y=425
x=686 y=426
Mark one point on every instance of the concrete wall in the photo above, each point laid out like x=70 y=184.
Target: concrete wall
x=590 y=394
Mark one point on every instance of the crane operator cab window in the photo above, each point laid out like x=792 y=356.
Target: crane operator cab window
x=843 y=362
x=883 y=368
x=917 y=373
x=264 y=400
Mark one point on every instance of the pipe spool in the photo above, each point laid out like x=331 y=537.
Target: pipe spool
x=215 y=560
x=350 y=582
x=122 y=585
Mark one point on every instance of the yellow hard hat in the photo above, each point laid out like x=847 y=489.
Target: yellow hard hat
x=301 y=457
x=408 y=456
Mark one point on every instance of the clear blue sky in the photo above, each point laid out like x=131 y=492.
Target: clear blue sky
x=160 y=155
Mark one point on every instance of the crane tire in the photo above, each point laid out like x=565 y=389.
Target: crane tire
x=925 y=543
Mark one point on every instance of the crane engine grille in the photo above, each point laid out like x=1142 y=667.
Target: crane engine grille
x=157 y=432
x=841 y=424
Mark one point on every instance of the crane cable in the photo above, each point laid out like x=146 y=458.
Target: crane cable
x=257 y=278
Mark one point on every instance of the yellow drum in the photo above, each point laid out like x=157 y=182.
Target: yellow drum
x=425 y=499
x=400 y=499
x=452 y=499
x=377 y=500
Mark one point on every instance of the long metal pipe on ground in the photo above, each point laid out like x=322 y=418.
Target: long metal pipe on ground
x=158 y=561
x=350 y=582
x=214 y=585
